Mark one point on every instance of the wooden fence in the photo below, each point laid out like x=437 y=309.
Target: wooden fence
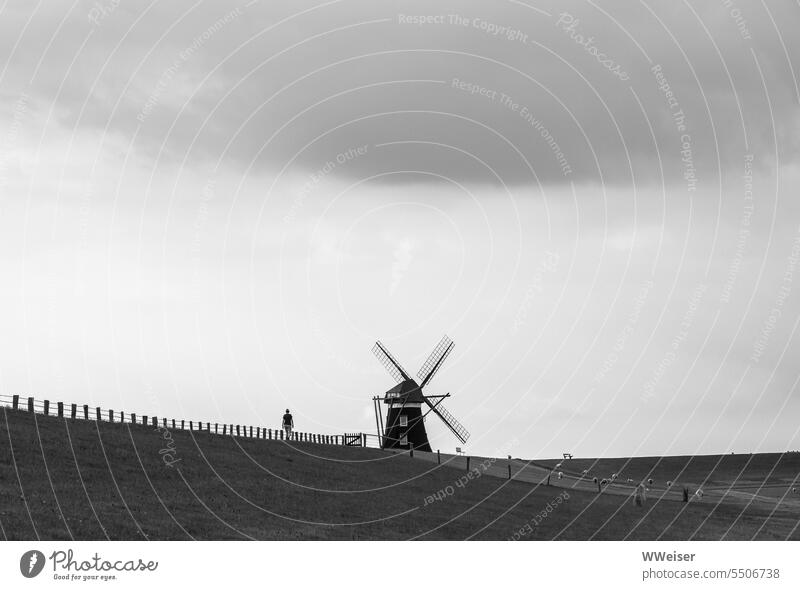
x=84 y=412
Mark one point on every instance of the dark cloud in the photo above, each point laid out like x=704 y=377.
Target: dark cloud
x=277 y=85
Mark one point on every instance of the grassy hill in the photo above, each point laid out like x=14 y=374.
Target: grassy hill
x=708 y=471
x=62 y=479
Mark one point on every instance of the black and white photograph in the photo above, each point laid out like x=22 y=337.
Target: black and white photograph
x=368 y=271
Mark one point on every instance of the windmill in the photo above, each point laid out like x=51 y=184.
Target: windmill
x=405 y=421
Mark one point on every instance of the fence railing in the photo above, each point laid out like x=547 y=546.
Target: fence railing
x=96 y=414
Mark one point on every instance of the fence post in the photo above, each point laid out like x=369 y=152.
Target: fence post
x=251 y=432
x=97 y=414
x=155 y=422
x=111 y=415
x=238 y=431
x=208 y=427
x=438 y=457
x=269 y=433
x=15 y=403
x=281 y=434
x=144 y=420
x=467 y=463
x=47 y=407
x=74 y=411
x=30 y=404
x=183 y=423
x=164 y=423
x=216 y=428
x=173 y=424
x=85 y=411
x=133 y=418
x=60 y=409
x=411 y=451
x=191 y=425
x=224 y=429
x=122 y=416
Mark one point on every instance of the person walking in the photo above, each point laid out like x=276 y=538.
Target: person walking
x=288 y=424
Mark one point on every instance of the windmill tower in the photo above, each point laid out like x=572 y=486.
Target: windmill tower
x=405 y=420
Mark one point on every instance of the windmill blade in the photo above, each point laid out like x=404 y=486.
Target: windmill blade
x=454 y=425
x=435 y=360
x=388 y=361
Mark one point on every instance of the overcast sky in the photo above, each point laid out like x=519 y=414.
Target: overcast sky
x=211 y=211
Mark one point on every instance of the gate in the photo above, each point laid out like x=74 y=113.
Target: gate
x=353 y=440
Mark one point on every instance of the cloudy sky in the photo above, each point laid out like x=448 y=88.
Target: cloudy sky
x=211 y=211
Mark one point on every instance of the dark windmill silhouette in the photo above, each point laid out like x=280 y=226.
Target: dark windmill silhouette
x=405 y=420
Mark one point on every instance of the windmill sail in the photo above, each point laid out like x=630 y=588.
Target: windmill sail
x=388 y=361
x=454 y=425
x=435 y=361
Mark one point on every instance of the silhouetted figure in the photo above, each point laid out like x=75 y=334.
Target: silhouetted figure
x=685 y=494
x=288 y=424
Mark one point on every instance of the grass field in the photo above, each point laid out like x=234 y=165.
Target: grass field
x=63 y=479
x=708 y=471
